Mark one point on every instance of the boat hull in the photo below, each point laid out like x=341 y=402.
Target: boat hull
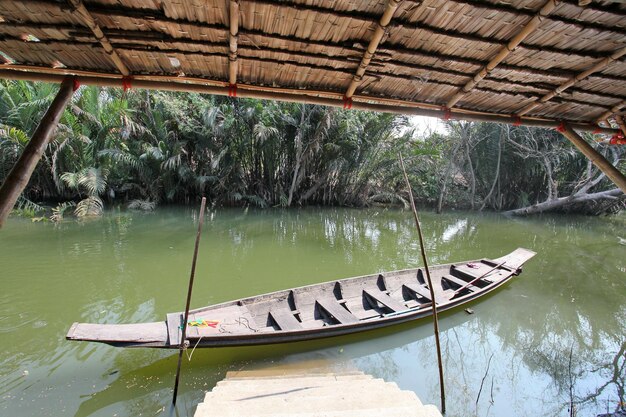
x=317 y=311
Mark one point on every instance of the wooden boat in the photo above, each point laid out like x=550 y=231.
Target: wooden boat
x=317 y=311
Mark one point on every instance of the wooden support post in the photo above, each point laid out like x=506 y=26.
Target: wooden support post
x=19 y=176
x=595 y=157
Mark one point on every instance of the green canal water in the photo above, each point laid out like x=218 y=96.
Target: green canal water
x=558 y=328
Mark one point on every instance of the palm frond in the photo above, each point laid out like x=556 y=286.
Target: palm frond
x=91 y=206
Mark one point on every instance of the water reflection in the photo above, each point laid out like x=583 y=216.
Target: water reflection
x=133 y=267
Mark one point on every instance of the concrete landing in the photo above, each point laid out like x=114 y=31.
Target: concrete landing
x=345 y=393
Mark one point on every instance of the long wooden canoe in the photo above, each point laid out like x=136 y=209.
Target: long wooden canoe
x=317 y=311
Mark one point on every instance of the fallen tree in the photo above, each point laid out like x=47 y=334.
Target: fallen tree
x=561 y=202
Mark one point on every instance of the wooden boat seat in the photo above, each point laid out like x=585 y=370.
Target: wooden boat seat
x=419 y=290
x=460 y=283
x=332 y=307
x=384 y=299
x=285 y=319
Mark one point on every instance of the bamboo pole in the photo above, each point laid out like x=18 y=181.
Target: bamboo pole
x=379 y=32
x=598 y=66
x=504 y=52
x=233 y=64
x=604 y=116
x=83 y=14
x=595 y=157
x=19 y=176
x=153 y=45
x=368 y=103
x=391 y=49
x=430 y=287
x=183 y=341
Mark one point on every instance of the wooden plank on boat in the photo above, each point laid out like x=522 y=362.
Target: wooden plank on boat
x=332 y=307
x=384 y=299
x=285 y=319
x=418 y=289
x=460 y=283
x=174 y=321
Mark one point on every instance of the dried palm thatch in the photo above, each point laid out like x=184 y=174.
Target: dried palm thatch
x=545 y=61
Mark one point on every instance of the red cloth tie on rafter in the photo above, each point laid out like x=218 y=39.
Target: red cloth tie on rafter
x=447 y=113
x=561 y=127
x=347 y=103
x=232 y=90
x=126 y=83
x=518 y=121
x=76 y=84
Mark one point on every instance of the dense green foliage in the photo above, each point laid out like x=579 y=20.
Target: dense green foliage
x=147 y=148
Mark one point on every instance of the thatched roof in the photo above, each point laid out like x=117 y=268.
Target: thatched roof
x=536 y=59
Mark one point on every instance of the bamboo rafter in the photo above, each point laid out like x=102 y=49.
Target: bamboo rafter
x=248 y=53
x=388 y=48
x=233 y=33
x=369 y=103
x=504 y=52
x=298 y=45
x=379 y=32
x=157 y=16
x=615 y=109
x=598 y=66
x=83 y=14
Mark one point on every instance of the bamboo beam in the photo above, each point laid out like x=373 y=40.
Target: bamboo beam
x=379 y=32
x=615 y=109
x=21 y=172
x=598 y=66
x=152 y=15
x=504 y=52
x=595 y=157
x=233 y=65
x=368 y=103
x=154 y=43
x=81 y=11
x=390 y=48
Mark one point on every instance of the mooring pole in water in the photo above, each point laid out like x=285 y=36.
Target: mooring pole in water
x=430 y=285
x=186 y=316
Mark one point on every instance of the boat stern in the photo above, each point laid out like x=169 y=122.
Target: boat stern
x=122 y=335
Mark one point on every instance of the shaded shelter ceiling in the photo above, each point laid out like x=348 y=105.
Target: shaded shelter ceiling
x=531 y=59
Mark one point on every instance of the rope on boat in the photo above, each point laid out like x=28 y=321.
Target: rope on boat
x=241 y=321
x=189 y=356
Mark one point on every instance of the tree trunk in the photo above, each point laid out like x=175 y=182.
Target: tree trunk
x=19 y=176
x=445 y=177
x=299 y=153
x=466 y=135
x=564 y=201
x=497 y=176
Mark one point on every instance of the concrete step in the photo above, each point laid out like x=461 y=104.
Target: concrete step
x=400 y=411
x=287 y=373
x=295 y=381
x=363 y=389
x=317 y=394
x=293 y=384
x=272 y=404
